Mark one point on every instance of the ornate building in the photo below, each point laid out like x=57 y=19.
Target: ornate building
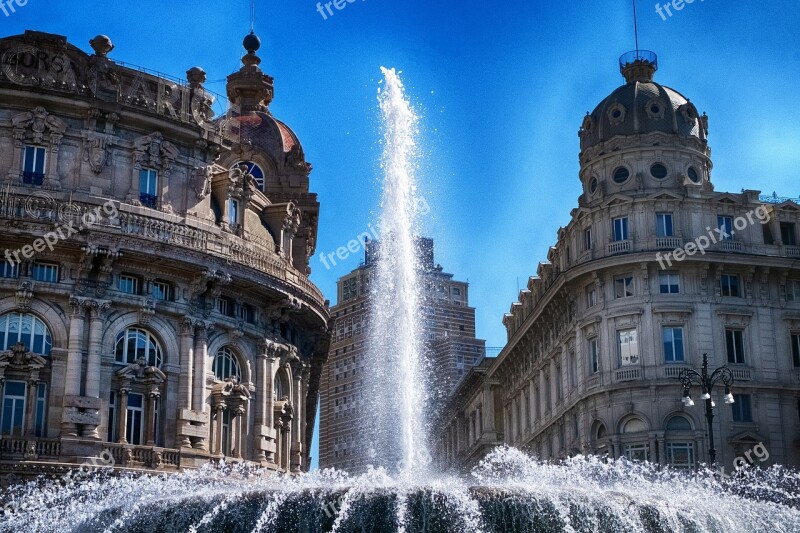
x=654 y=270
x=154 y=296
x=450 y=339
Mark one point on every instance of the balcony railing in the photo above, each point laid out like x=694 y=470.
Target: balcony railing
x=167 y=229
x=669 y=243
x=673 y=371
x=148 y=200
x=628 y=374
x=742 y=374
x=131 y=456
x=29 y=448
x=792 y=251
x=730 y=246
x=619 y=247
x=32 y=178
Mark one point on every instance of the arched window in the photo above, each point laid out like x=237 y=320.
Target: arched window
x=634 y=425
x=134 y=344
x=281 y=387
x=27 y=329
x=600 y=431
x=254 y=170
x=678 y=423
x=226 y=365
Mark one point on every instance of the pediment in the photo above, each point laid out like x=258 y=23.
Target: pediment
x=617 y=199
x=727 y=198
x=747 y=437
x=665 y=195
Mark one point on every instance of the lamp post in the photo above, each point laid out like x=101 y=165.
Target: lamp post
x=707 y=382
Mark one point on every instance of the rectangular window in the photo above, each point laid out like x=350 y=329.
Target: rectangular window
x=620 y=229
x=456 y=291
x=680 y=455
x=594 y=356
x=148 y=187
x=741 y=408
x=129 y=284
x=725 y=224
x=41 y=410
x=587 y=239
x=135 y=427
x=734 y=344
x=793 y=290
x=46 y=272
x=233 y=212
x=637 y=452
x=112 y=417
x=796 y=350
x=628 y=347
x=623 y=287
x=673 y=344
x=729 y=285
x=669 y=283
x=162 y=290
x=8 y=270
x=664 y=225
x=788 y=234
x=33 y=165
x=591 y=296
x=12 y=417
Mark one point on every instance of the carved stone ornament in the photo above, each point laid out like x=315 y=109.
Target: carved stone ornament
x=655 y=109
x=201 y=181
x=39 y=127
x=96 y=150
x=152 y=151
x=138 y=371
x=19 y=357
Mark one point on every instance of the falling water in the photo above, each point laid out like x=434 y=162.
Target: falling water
x=396 y=388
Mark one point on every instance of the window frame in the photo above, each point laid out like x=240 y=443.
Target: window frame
x=623 y=234
x=633 y=334
x=628 y=289
x=227 y=362
x=154 y=353
x=734 y=338
x=727 y=289
x=33 y=176
x=34 y=323
x=52 y=269
x=669 y=285
x=148 y=187
x=671 y=344
x=742 y=408
x=725 y=224
x=795 y=342
x=594 y=356
x=665 y=225
x=128 y=278
x=18 y=416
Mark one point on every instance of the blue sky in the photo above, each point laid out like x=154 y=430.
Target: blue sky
x=502 y=88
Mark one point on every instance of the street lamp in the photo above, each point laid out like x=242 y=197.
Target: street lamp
x=707 y=382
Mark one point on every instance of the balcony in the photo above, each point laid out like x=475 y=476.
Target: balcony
x=129 y=456
x=628 y=374
x=33 y=178
x=730 y=246
x=619 y=247
x=148 y=200
x=669 y=243
x=20 y=448
x=792 y=251
x=742 y=374
x=673 y=371
x=168 y=229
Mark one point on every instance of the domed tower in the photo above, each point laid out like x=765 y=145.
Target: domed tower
x=271 y=154
x=644 y=136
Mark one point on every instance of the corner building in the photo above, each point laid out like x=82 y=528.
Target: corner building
x=597 y=340
x=180 y=325
x=449 y=325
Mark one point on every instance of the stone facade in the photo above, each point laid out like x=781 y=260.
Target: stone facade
x=450 y=339
x=155 y=303
x=597 y=340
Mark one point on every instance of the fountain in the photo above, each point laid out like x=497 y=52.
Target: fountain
x=508 y=491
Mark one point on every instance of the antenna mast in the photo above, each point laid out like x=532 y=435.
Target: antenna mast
x=635 y=27
x=252 y=16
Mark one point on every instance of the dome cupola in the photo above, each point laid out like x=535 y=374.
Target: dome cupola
x=643 y=130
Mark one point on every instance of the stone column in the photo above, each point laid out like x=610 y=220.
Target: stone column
x=122 y=415
x=218 y=428
x=263 y=402
x=237 y=431
x=74 y=362
x=199 y=376
x=150 y=418
x=97 y=312
x=488 y=409
x=296 y=443
x=30 y=408
x=186 y=339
